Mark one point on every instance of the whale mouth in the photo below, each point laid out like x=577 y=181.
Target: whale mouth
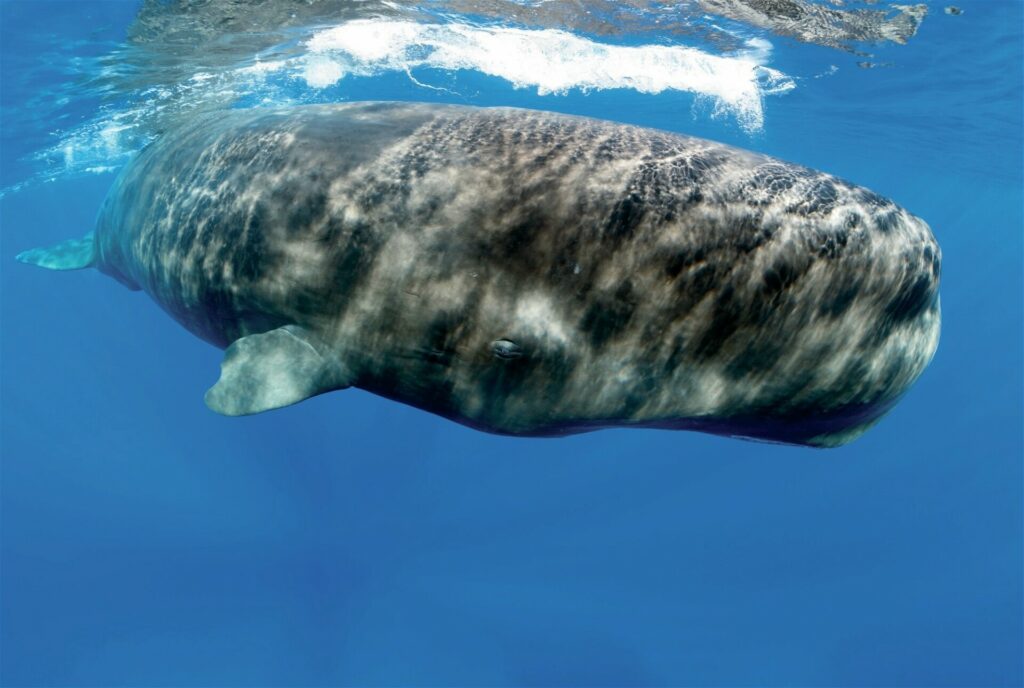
x=824 y=430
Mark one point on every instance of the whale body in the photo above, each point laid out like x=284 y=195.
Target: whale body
x=523 y=272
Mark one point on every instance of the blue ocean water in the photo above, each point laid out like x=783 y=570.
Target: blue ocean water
x=350 y=540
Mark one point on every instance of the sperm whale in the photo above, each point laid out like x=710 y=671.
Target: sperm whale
x=523 y=272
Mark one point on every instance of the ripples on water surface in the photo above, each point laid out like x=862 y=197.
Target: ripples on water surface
x=105 y=97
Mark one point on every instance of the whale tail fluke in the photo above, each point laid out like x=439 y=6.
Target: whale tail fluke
x=73 y=254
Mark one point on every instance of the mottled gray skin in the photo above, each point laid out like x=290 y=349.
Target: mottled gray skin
x=533 y=273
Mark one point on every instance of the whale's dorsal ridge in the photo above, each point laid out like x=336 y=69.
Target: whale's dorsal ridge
x=274 y=369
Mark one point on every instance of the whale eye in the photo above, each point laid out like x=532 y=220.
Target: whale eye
x=505 y=349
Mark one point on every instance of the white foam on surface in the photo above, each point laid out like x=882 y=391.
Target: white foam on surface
x=320 y=72
x=550 y=60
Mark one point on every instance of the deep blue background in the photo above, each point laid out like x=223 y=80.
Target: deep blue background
x=352 y=540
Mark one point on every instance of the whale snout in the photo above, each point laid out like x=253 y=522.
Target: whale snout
x=894 y=335
x=852 y=320
x=915 y=271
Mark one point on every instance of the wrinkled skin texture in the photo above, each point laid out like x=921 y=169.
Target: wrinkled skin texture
x=538 y=274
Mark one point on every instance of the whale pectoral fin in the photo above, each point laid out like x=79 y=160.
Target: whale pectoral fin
x=73 y=254
x=274 y=369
